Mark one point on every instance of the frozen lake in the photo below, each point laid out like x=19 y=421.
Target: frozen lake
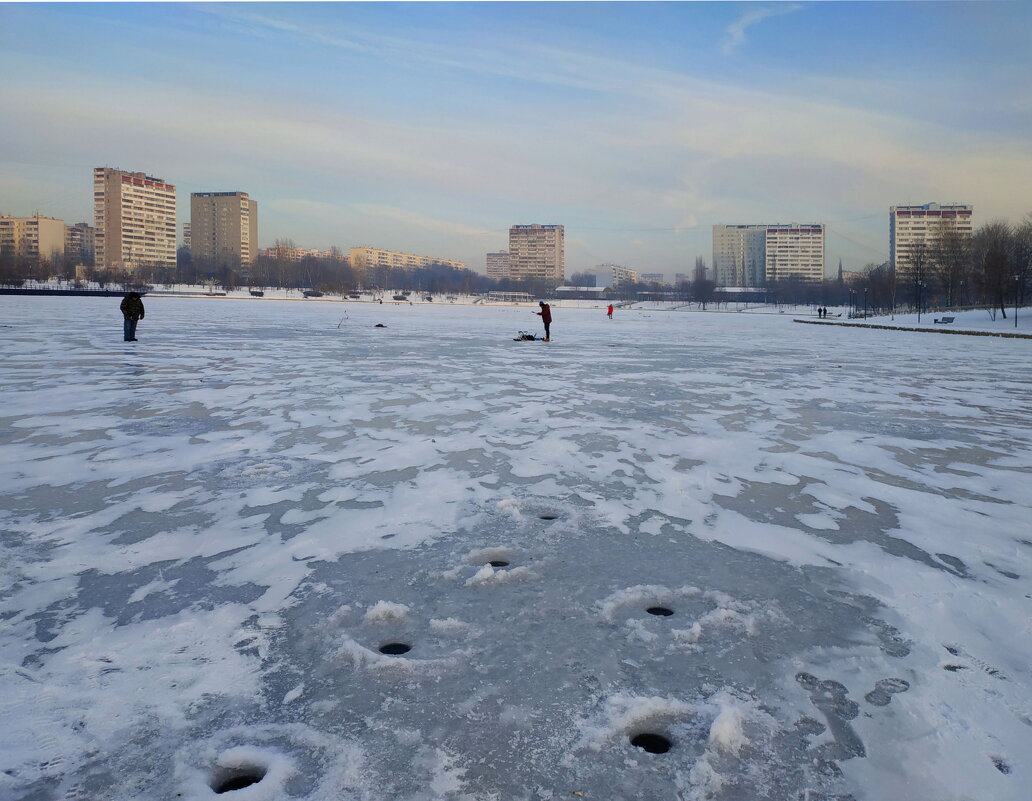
x=209 y=535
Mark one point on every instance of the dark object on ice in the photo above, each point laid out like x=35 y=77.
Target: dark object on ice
x=228 y=780
x=395 y=648
x=132 y=312
x=523 y=336
x=653 y=743
x=548 y=516
x=401 y=297
x=312 y=293
x=498 y=563
x=257 y=293
x=379 y=325
x=662 y=611
x=1000 y=765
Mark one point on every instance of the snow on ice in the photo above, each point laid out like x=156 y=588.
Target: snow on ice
x=270 y=553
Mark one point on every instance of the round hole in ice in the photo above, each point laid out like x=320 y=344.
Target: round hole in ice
x=653 y=743
x=498 y=563
x=662 y=611
x=395 y=648
x=227 y=780
x=548 y=516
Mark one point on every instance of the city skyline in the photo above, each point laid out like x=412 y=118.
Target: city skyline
x=432 y=128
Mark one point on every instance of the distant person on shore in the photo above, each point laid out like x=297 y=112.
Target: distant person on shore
x=546 y=317
x=609 y=311
x=132 y=312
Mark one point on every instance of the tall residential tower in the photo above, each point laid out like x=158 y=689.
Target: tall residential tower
x=223 y=228
x=920 y=225
x=135 y=220
x=537 y=253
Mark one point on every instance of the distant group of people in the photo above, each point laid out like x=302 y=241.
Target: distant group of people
x=822 y=312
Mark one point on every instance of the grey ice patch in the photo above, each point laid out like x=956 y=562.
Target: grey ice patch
x=892 y=642
x=830 y=697
x=884 y=689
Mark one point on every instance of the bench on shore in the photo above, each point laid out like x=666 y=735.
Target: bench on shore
x=944 y=320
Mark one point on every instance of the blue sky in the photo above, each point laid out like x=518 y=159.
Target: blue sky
x=432 y=127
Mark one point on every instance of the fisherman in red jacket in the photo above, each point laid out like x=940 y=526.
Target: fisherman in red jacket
x=546 y=317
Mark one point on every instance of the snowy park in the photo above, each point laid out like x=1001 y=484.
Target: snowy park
x=274 y=551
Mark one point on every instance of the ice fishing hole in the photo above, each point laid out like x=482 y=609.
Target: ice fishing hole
x=498 y=563
x=653 y=743
x=548 y=517
x=395 y=648
x=662 y=611
x=226 y=781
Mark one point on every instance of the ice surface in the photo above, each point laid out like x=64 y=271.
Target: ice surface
x=209 y=535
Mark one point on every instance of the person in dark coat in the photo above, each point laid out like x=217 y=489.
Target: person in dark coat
x=546 y=317
x=132 y=312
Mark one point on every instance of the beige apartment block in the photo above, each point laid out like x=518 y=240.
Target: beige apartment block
x=32 y=237
x=910 y=226
x=365 y=258
x=498 y=265
x=135 y=220
x=537 y=253
x=795 y=252
x=223 y=228
x=79 y=242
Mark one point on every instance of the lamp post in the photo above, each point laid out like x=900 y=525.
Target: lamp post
x=865 y=303
x=919 y=285
x=1017 y=278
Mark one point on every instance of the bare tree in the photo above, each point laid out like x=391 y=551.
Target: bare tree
x=950 y=252
x=994 y=264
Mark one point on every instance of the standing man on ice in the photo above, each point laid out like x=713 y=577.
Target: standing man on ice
x=546 y=317
x=132 y=312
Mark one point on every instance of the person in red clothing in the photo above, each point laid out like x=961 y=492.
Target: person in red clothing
x=546 y=317
x=609 y=311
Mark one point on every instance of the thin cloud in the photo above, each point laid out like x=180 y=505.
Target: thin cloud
x=734 y=34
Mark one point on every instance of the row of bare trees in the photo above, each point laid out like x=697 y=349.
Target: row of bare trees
x=991 y=268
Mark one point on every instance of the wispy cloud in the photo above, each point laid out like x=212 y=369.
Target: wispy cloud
x=734 y=34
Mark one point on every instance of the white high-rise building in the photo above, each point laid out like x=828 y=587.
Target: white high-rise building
x=135 y=220
x=794 y=252
x=537 y=253
x=610 y=275
x=223 y=228
x=910 y=225
x=755 y=255
x=738 y=255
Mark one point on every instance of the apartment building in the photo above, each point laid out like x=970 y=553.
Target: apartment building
x=79 y=242
x=739 y=257
x=610 y=275
x=498 y=265
x=32 y=237
x=758 y=254
x=537 y=253
x=135 y=220
x=187 y=239
x=794 y=252
x=365 y=258
x=223 y=228
x=653 y=278
x=910 y=226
